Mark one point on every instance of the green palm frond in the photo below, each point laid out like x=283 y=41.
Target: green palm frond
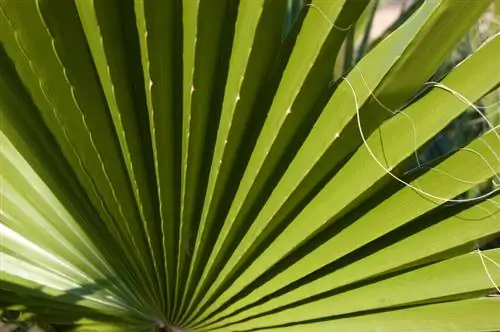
x=196 y=165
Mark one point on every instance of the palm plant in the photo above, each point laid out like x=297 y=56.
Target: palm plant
x=196 y=165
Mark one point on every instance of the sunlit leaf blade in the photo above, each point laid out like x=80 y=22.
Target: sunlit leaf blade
x=117 y=84
x=247 y=67
x=82 y=129
x=316 y=159
x=463 y=315
x=162 y=85
x=411 y=134
x=427 y=284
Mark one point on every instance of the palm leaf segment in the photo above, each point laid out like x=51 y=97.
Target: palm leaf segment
x=189 y=164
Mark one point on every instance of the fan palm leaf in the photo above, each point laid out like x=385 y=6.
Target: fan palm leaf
x=196 y=165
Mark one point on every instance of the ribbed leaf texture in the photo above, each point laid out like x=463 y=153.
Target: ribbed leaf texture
x=195 y=165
